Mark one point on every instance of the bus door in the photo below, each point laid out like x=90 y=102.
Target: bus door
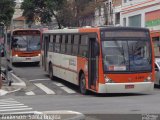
x=46 y=46
x=93 y=61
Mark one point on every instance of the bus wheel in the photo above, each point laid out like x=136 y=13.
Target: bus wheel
x=83 y=89
x=51 y=71
x=37 y=63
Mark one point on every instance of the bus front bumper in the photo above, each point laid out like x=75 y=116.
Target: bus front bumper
x=135 y=87
x=25 y=59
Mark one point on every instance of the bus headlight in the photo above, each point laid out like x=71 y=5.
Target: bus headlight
x=39 y=54
x=148 y=79
x=108 y=80
x=16 y=55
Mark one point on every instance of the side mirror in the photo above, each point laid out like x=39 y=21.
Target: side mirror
x=156 y=69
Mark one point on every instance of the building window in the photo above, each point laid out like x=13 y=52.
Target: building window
x=124 y=1
x=135 y=21
x=124 y=21
x=117 y=16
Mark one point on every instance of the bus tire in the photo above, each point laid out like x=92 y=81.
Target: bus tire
x=50 y=71
x=83 y=89
x=37 y=63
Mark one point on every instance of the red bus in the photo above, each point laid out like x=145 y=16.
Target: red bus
x=155 y=35
x=24 y=45
x=101 y=59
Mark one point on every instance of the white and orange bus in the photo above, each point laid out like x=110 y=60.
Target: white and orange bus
x=102 y=59
x=24 y=45
x=155 y=35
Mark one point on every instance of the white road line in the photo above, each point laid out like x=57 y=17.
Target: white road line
x=44 y=88
x=2 y=108
x=2 y=103
x=68 y=90
x=9 y=101
x=6 y=99
x=58 y=84
x=39 y=80
x=26 y=112
x=11 y=105
x=30 y=93
x=15 y=109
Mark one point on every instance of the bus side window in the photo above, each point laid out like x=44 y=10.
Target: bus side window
x=83 y=48
x=69 y=45
x=57 y=44
x=54 y=40
x=51 y=44
x=63 y=45
x=76 y=44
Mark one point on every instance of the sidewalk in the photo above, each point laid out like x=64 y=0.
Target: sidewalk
x=17 y=83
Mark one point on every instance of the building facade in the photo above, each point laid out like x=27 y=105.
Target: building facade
x=18 y=21
x=141 y=13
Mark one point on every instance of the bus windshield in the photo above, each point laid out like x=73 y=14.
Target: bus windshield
x=26 y=43
x=129 y=55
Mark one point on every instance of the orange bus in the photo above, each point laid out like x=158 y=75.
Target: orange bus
x=101 y=59
x=155 y=35
x=24 y=45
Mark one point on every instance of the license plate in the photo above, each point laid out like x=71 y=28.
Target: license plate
x=28 y=58
x=129 y=86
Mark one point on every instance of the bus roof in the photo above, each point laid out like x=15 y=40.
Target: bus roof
x=25 y=30
x=92 y=29
x=61 y=31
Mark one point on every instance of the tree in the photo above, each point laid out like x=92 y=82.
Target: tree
x=74 y=12
x=6 y=11
x=44 y=9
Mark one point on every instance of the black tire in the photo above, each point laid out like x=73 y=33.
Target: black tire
x=83 y=89
x=51 y=71
x=37 y=63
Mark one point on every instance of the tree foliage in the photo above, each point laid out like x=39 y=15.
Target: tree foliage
x=68 y=13
x=6 y=11
x=75 y=11
x=44 y=9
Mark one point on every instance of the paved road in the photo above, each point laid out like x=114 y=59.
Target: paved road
x=38 y=82
x=43 y=94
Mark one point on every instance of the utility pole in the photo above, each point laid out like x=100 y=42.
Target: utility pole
x=2 y=29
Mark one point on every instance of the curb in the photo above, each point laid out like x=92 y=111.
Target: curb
x=20 y=84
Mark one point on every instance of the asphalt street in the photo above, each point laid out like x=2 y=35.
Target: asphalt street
x=96 y=106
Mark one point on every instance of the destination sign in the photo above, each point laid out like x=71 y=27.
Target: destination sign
x=124 y=34
x=26 y=32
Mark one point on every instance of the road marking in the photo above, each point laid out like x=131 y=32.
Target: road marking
x=58 y=84
x=11 y=105
x=39 y=80
x=27 y=112
x=8 y=102
x=2 y=108
x=21 y=82
x=30 y=93
x=68 y=90
x=15 y=109
x=8 y=105
x=6 y=99
x=44 y=88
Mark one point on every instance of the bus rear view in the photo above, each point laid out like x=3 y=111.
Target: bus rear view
x=127 y=60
